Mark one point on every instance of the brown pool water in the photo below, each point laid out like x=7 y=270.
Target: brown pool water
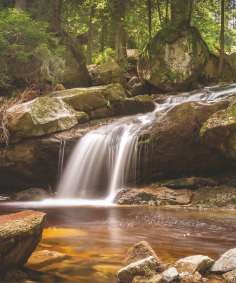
x=96 y=239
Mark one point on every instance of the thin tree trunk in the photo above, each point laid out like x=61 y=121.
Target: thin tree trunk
x=90 y=37
x=222 y=39
x=120 y=40
x=56 y=21
x=190 y=11
x=159 y=11
x=167 y=8
x=181 y=12
x=21 y=4
x=150 y=19
x=104 y=35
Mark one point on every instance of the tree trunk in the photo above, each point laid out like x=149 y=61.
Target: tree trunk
x=222 y=39
x=56 y=21
x=167 y=8
x=120 y=40
x=149 y=19
x=21 y=4
x=104 y=35
x=159 y=11
x=90 y=37
x=181 y=12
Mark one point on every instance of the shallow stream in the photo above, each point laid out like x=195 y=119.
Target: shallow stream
x=96 y=238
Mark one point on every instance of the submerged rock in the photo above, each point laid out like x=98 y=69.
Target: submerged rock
x=145 y=267
x=173 y=61
x=153 y=196
x=13 y=276
x=195 y=278
x=219 y=132
x=44 y=258
x=33 y=194
x=230 y=277
x=226 y=262
x=39 y=117
x=142 y=279
x=194 y=263
x=20 y=234
x=140 y=251
x=170 y=274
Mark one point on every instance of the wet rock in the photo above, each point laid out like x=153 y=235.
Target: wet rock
x=192 y=264
x=171 y=63
x=226 y=262
x=230 y=277
x=140 y=251
x=20 y=234
x=39 y=117
x=196 y=278
x=173 y=143
x=196 y=85
x=138 y=86
x=33 y=194
x=159 y=195
x=192 y=183
x=145 y=267
x=135 y=105
x=14 y=275
x=214 y=197
x=108 y=73
x=203 y=78
x=143 y=279
x=170 y=274
x=44 y=258
x=219 y=132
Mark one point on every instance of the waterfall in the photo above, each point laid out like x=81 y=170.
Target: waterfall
x=108 y=157
x=61 y=160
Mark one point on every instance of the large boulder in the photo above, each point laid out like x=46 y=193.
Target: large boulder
x=173 y=143
x=41 y=116
x=108 y=73
x=144 y=267
x=219 y=132
x=138 y=86
x=212 y=67
x=194 y=263
x=153 y=196
x=230 y=277
x=20 y=234
x=140 y=251
x=173 y=60
x=226 y=262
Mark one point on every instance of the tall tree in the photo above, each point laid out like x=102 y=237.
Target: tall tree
x=120 y=38
x=222 y=38
x=181 y=11
x=56 y=21
x=149 y=4
x=90 y=36
x=21 y=4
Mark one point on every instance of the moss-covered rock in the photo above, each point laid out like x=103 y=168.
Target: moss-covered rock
x=174 y=59
x=39 y=117
x=219 y=131
x=108 y=73
x=174 y=144
x=33 y=194
x=138 y=86
x=153 y=196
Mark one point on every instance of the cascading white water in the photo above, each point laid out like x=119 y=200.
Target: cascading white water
x=61 y=160
x=110 y=152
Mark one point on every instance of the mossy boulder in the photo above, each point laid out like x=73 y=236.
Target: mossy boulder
x=39 y=117
x=173 y=143
x=108 y=73
x=138 y=86
x=174 y=59
x=219 y=132
x=189 y=183
x=33 y=194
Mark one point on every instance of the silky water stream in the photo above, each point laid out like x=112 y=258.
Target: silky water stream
x=95 y=234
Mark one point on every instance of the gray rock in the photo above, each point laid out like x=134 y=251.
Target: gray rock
x=145 y=267
x=194 y=263
x=33 y=194
x=170 y=274
x=230 y=277
x=226 y=262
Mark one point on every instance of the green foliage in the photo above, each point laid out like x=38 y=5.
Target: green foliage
x=106 y=56
x=21 y=40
